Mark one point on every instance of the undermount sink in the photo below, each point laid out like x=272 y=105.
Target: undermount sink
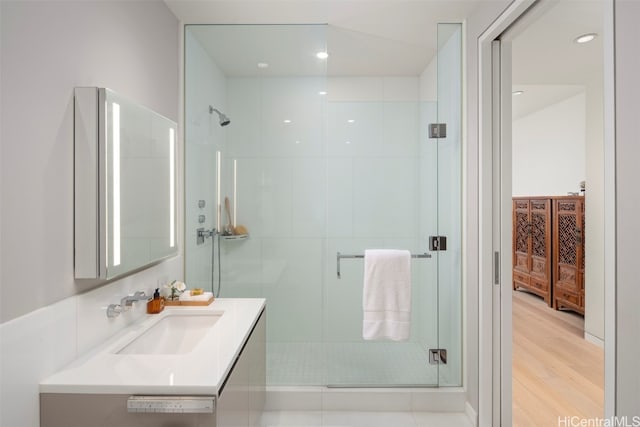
x=176 y=333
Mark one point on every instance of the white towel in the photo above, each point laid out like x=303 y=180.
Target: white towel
x=386 y=297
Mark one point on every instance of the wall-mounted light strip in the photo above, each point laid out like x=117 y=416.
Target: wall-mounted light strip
x=116 y=183
x=218 y=192
x=235 y=190
x=172 y=188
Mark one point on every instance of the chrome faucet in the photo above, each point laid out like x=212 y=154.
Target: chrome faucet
x=114 y=310
x=127 y=301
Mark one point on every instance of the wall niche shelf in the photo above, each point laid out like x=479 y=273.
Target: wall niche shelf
x=235 y=237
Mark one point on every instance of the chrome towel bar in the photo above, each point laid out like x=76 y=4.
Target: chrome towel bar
x=340 y=256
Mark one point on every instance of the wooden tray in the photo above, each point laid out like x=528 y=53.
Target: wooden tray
x=169 y=303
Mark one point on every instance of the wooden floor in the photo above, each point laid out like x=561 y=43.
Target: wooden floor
x=556 y=372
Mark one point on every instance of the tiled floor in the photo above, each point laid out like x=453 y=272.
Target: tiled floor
x=363 y=419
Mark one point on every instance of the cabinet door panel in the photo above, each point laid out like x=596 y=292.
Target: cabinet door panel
x=568 y=239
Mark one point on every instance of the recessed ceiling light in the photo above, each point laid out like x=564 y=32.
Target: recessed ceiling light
x=322 y=55
x=322 y=92
x=347 y=142
x=585 y=38
x=287 y=121
x=351 y=121
x=263 y=65
x=517 y=92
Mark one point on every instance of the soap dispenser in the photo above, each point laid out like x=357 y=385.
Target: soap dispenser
x=156 y=305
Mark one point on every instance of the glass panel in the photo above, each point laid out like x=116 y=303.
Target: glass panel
x=449 y=152
x=269 y=82
x=314 y=165
x=381 y=194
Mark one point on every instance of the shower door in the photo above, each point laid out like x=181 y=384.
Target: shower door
x=390 y=184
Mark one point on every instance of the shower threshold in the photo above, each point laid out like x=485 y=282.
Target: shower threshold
x=382 y=386
x=324 y=398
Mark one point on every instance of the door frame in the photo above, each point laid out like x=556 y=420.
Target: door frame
x=494 y=181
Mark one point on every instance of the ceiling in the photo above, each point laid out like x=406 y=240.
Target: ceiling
x=363 y=38
x=393 y=38
x=546 y=62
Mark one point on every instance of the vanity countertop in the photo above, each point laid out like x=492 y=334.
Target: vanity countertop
x=201 y=371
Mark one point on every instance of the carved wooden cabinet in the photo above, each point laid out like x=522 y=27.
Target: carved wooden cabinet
x=532 y=245
x=568 y=259
x=548 y=249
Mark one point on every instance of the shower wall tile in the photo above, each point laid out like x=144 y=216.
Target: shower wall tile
x=275 y=194
x=249 y=188
x=309 y=198
x=242 y=261
x=245 y=110
x=340 y=197
x=237 y=290
x=355 y=89
x=292 y=262
x=385 y=197
x=294 y=313
x=198 y=264
x=363 y=137
x=200 y=174
x=400 y=129
x=345 y=299
x=297 y=101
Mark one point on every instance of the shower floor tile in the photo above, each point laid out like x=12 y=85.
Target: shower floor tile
x=295 y=364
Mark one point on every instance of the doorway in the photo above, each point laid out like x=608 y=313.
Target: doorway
x=558 y=223
x=500 y=50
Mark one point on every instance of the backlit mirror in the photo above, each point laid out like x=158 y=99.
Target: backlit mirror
x=125 y=205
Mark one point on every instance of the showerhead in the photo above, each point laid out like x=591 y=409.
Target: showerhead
x=224 y=120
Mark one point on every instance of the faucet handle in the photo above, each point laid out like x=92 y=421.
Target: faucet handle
x=114 y=310
x=128 y=300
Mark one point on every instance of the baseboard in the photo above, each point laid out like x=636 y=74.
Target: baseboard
x=593 y=339
x=471 y=414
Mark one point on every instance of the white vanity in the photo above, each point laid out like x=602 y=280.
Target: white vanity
x=184 y=367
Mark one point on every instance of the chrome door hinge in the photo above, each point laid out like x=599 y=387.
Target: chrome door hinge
x=437 y=243
x=437 y=356
x=437 y=130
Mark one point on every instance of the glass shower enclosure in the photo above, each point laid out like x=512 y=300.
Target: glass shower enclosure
x=322 y=156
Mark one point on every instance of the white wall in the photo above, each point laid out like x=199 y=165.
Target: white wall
x=554 y=149
x=48 y=48
x=627 y=92
x=549 y=149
